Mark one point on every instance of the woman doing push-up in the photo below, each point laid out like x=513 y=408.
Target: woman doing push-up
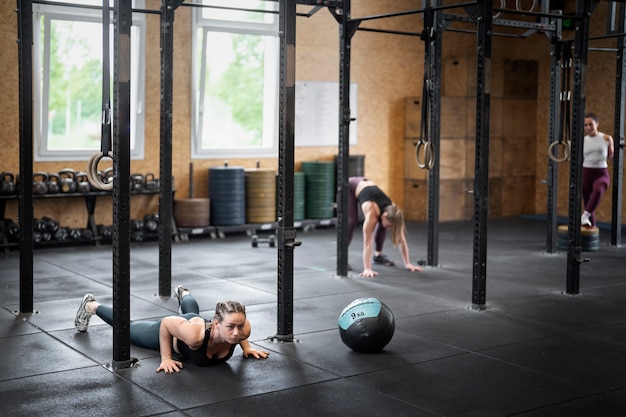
x=190 y=336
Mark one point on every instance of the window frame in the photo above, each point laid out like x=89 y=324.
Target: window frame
x=41 y=77
x=271 y=90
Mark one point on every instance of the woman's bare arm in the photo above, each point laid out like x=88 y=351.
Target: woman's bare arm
x=191 y=332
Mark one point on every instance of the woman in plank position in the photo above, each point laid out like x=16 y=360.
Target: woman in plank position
x=188 y=335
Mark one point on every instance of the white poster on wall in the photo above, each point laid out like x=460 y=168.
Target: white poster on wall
x=317 y=113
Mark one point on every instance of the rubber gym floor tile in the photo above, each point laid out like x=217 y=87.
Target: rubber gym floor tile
x=614 y=293
x=208 y=295
x=41 y=268
x=338 y=398
x=310 y=317
x=615 y=334
x=569 y=312
x=568 y=357
x=57 y=288
x=471 y=385
x=78 y=259
x=77 y=392
x=11 y=325
x=474 y=330
x=605 y=405
x=326 y=350
x=9 y=292
x=197 y=386
x=37 y=354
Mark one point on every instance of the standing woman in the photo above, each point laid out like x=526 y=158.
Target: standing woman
x=597 y=148
x=188 y=335
x=380 y=214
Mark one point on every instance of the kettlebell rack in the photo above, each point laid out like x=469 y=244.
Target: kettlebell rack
x=251 y=229
x=95 y=231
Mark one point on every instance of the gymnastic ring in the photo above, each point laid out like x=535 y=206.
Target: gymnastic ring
x=429 y=154
x=92 y=172
x=502 y=6
x=518 y=6
x=566 y=151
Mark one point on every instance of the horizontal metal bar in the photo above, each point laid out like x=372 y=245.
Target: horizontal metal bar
x=88 y=6
x=393 y=32
x=414 y=11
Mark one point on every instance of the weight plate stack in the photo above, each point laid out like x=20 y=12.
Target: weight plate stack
x=192 y=212
x=589 y=238
x=260 y=195
x=319 y=189
x=298 y=196
x=227 y=192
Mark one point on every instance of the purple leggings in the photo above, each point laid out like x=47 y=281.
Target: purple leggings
x=595 y=183
x=380 y=233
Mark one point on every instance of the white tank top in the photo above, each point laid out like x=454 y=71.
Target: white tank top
x=595 y=151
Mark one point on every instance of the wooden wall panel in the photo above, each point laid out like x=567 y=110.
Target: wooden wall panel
x=415 y=200
x=387 y=69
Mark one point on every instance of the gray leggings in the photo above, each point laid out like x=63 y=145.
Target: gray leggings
x=145 y=333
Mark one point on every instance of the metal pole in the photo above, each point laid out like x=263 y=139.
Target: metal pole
x=434 y=61
x=554 y=135
x=343 y=161
x=618 y=136
x=25 y=188
x=168 y=9
x=121 y=187
x=583 y=14
x=481 y=178
x=286 y=232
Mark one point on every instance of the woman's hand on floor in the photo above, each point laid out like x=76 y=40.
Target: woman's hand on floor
x=170 y=366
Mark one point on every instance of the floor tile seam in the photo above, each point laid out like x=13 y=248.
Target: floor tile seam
x=547 y=406
x=60 y=341
x=547 y=374
x=57 y=372
x=262 y=394
x=581 y=331
x=141 y=388
x=391 y=397
x=252 y=288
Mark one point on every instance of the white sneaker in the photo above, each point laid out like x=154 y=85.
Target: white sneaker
x=584 y=220
x=178 y=294
x=81 y=321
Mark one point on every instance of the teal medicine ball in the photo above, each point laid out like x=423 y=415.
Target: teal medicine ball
x=366 y=325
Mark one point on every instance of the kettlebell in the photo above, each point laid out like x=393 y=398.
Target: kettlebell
x=39 y=183
x=151 y=223
x=68 y=180
x=83 y=183
x=53 y=183
x=136 y=182
x=106 y=176
x=62 y=234
x=51 y=224
x=7 y=183
x=149 y=182
x=13 y=230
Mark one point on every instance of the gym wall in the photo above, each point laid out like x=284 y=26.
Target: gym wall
x=389 y=71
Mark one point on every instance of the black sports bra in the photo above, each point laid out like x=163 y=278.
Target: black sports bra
x=199 y=357
x=376 y=195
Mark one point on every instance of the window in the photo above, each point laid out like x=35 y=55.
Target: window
x=235 y=79
x=68 y=80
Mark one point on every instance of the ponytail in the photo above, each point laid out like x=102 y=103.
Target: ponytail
x=396 y=218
